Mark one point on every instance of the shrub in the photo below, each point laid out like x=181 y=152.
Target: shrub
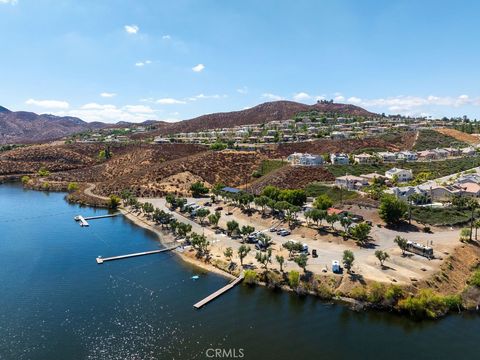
x=250 y=277
x=393 y=293
x=377 y=293
x=359 y=293
x=43 y=172
x=323 y=291
x=427 y=304
x=73 y=186
x=25 y=179
x=46 y=186
x=475 y=279
x=293 y=279
x=113 y=201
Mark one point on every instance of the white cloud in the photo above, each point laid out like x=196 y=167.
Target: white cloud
x=243 y=90
x=48 y=104
x=301 y=96
x=198 y=68
x=166 y=37
x=11 y=2
x=204 y=97
x=111 y=114
x=108 y=95
x=354 y=100
x=131 y=29
x=271 y=96
x=143 y=63
x=414 y=105
x=339 y=98
x=170 y=101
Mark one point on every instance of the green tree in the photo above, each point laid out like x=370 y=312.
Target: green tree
x=360 y=232
x=232 y=227
x=402 y=243
x=381 y=256
x=294 y=197
x=281 y=260
x=332 y=219
x=214 y=218
x=246 y=230
x=228 y=253
x=346 y=221
x=271 y=192
x=198 y=189
x=348 y=259
x=262 y=201
x=323 y=202
x=392 y=210
x=202 y=213
x=264 y=258
x=243 y=251
x=43 y=172
x=113 y=201
x=264 y=241
x=301 y=260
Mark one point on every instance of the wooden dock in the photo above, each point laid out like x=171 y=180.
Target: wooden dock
x=101 y=260
x=101 y=216
x=219 y=292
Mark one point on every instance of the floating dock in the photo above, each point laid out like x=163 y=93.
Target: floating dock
x=101 y=260
x=81 y=220
x=219 y=292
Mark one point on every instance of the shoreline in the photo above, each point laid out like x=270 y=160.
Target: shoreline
x=163 y=236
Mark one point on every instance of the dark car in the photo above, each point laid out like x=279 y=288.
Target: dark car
x=219 y=208
x=314 y=253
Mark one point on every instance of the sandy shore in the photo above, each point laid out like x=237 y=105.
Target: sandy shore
x=167 y=238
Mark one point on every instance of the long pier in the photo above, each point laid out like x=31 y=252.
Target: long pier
x=219 y=292
x=101 y=260
x=101 y=216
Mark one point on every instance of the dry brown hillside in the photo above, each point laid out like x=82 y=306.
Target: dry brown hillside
x=459 y=135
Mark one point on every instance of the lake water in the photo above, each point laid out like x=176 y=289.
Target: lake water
x=57 y=303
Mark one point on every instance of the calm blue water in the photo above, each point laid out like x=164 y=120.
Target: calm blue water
x=57 y=303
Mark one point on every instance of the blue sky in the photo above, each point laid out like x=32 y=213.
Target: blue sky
x=113 y=60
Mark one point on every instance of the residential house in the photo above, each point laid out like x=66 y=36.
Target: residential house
x=305 y=159
x=407 y=156
x=401 y=175
x=453 y=151
x=351 y=182
x=470 y=189
x=364 y=158
x=339 y=159
x=468 y=151
x=427 y=155
x=441 y=153
x=387 y=156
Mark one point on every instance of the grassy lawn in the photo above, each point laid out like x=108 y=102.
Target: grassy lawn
x=270 y=165
x=437 y=168
x=431 y=139
x=440 y=216
x=315 y=189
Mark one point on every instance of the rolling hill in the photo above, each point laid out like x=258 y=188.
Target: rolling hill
x=269 y=111
x=27 y=127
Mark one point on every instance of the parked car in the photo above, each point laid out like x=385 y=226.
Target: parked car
x=273 y=229
x=305 y=248
x=207 y=204
x=357 y=218
x=314 y=253
x=284 y=232
x=219 y=208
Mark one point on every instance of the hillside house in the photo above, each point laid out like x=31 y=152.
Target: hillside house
x=305 y=159
x=364 y=158
x=387 y=156
x=351 y=182
x=339 y=159
x=407 y=156
x=401 y=175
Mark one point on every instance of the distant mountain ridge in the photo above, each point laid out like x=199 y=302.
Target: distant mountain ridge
x=28 y=127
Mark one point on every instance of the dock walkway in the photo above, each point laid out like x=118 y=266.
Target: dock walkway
x=101 y=216
x=101 y=260
x=219 y=292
